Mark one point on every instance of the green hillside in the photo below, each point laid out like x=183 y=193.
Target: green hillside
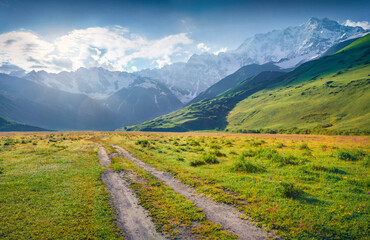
x=234 y=79
x=207 y=114
x=336 y=98
x=11 y=126
x=330 y=93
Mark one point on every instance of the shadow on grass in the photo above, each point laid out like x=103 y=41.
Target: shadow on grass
x=309 y=199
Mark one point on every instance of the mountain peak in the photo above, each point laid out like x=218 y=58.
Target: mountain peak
x=324 y=23
x=313 y=20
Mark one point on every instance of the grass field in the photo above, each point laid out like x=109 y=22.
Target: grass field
x=50 y=188
x=309 y=187
x=299 y=186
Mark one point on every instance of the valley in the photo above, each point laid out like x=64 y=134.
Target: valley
x=151 y=120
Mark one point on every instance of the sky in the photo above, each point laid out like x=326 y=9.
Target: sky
x=132 y=35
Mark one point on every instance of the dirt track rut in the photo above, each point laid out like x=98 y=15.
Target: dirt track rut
x=227 y=216
x=132 y=218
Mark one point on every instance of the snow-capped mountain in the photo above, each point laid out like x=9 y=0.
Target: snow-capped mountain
x=187 y=80
x=97 y=83
x=287 y=47
x=294 y=45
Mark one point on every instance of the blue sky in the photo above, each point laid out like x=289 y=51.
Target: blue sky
x=193 y=26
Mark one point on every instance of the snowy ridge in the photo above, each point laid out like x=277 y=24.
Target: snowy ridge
x=287 y=47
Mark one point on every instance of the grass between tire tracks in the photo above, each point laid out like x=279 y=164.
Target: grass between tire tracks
x=173 y=214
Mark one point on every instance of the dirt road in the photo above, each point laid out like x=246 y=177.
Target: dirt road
x=132 y=218
x=227 y=216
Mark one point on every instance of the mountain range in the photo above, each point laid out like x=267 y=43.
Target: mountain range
x=98 y=99
x=329 y=94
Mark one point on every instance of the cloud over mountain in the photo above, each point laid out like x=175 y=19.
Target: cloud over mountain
x=113 y=48
x=364 y=24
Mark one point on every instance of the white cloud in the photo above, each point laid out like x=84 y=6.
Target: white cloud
x=364 y=24
x=221 y=50
x=163 y=62
x=112 y=48
x=202 y=47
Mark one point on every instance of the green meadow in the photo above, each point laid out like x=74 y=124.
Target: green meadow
x=301 y=187
x=297 y=186
x=50 y=188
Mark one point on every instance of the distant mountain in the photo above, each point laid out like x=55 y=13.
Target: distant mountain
x=234 y=79
x=288 y=47
x=25 y=101
x=12 y=126
x=97 y=83
x=295 y=45
x=142 y=100
x=29 y=102
x=330 y=93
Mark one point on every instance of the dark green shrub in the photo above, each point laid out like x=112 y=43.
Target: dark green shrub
x=218 y=153
x=242 y=165
x=249 y=153
x=193 y=143
x=9 y=141
x=257 y=144
x=367 y=161
x=267 y=153
x=215 y=146
x=280 y=145
x=327 y=169
x=228 y=143
x=210 y=159
x=289 y=190
x=233 y=152
x=350 y=155
x=142 y=143
x=284 y=160
x=180 y=159
x=303 y=146
x=307 y=152
x=196 y=163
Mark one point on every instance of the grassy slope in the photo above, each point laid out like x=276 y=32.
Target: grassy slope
x=332 y=92
x=208 y=114
x=7 y=126
x=50 y=188
x=328 y=91
x=331 y=201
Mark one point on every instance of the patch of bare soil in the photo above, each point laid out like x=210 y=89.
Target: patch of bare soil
x=227 y=216
x=104 y=157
